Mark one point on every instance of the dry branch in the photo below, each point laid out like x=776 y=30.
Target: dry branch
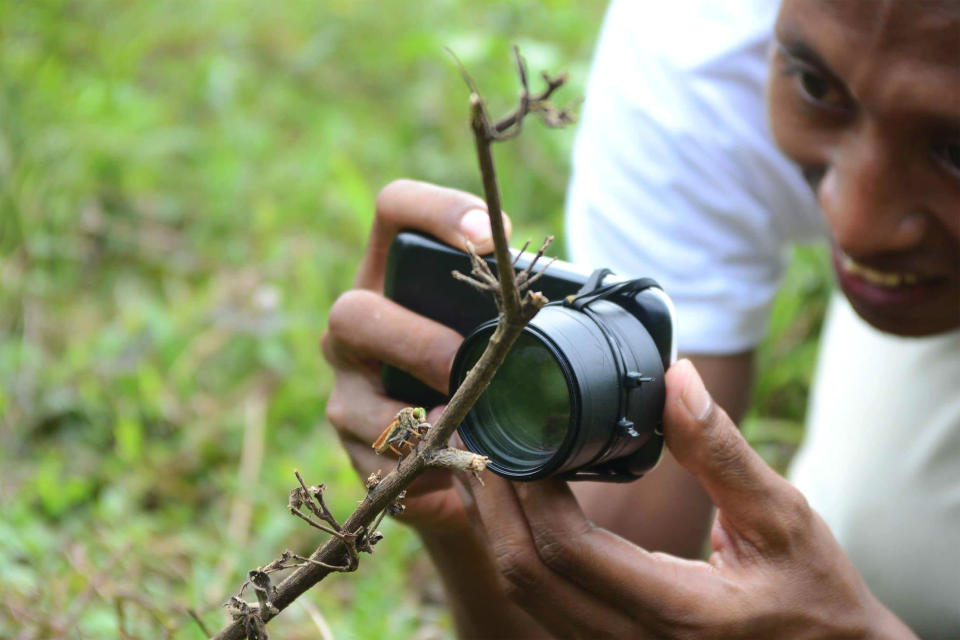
x=517 y=304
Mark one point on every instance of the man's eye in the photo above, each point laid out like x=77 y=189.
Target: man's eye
x=818 y=88
x=813 y=85
x=949 y=154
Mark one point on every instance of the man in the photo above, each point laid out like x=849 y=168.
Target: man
x=672 y=154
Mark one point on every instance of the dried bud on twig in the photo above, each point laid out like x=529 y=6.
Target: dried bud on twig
x=373 y=480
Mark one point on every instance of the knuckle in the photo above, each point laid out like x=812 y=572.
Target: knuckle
x=515 y=587
x=337 y=410
x=726 y=449
x=388 y=193
x=557 y=551
x=796 y=505
x=346 y=309
x=339 y=312
x=796 y=514
x=687 y=625
x=557 y=555
x=786 y=526
x=518 y=570
x=327 y=347
x=689 y=612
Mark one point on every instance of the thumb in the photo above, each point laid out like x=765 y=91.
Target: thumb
x=705 y=441
x=450 y=215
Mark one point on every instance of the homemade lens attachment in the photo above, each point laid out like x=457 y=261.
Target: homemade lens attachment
x=579 y=396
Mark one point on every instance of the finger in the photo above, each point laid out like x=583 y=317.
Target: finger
x=434 y=414
x=656 y=589
x=751 y=496
x=365 y=460
x=557 y=603
x=357 y=408
x=360 y=413
x=342 y=358
x=373 y=327
x=452 y=216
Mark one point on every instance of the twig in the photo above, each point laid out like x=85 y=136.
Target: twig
x=241 y=508
x=321 y=623
x=94 y=583
x=516 y=303
x=510 y=126
x=524 y=278
x=520 y=253
x=458 y=460
x=196 y=618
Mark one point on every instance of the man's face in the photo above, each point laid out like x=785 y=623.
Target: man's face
x=865 y=96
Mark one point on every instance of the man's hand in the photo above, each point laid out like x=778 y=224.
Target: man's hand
x=367 y=329
x=775 y=571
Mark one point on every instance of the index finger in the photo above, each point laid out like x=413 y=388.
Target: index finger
x=448 y=214
x=654 y=586
x=557 y=602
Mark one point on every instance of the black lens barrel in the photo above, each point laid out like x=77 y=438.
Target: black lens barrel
x=614 y=375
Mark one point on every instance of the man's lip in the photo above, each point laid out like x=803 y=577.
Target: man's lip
x=919 y=267
x=883 y=295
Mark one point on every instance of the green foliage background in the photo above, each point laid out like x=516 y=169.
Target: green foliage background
x=185 y=188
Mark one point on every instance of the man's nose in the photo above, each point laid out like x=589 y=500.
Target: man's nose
x=868 y=198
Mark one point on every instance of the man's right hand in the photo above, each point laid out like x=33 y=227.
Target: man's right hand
x=366 y=329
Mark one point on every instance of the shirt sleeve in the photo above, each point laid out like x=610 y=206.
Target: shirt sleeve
x=675 y=175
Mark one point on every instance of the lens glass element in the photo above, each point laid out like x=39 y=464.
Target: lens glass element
x=522 y=418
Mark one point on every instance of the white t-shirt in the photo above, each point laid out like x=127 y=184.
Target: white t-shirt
x=881 y=463
x=676 y=177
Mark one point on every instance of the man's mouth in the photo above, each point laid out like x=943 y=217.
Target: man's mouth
x=882 y=288
x=888 y=279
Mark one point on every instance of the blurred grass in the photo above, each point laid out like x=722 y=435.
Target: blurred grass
x=184 y=190
x=786 y=358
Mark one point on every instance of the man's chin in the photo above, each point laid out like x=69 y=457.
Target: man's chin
x=926 y=319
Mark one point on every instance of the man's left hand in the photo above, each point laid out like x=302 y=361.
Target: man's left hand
x=775 y=571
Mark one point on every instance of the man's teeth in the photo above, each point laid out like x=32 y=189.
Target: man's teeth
x=881 y=278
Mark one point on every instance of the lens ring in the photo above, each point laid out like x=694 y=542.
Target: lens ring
x=531 y=438
x=607 y=433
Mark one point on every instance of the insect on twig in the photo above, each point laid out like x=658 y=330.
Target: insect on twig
x=403 y=434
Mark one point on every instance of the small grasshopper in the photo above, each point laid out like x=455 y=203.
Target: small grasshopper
x=403 y=434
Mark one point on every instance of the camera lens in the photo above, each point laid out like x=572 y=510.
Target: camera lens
x=527 y=405
x=580 y=394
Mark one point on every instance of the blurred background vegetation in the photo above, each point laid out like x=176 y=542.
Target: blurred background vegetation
x=185 y=187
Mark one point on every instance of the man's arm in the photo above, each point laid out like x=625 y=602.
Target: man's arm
x=775 y=569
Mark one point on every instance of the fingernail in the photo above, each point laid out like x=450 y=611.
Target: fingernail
x=475 y=225
x=695 y=397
